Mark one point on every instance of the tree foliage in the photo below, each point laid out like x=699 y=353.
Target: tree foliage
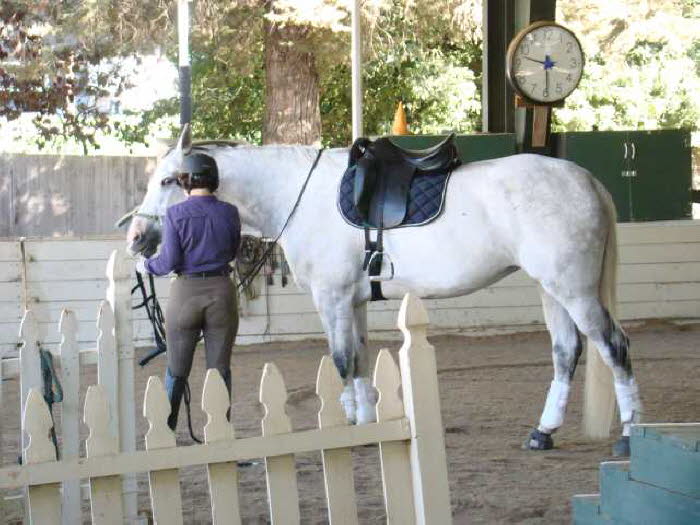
x=642 y=70
x=642 y=65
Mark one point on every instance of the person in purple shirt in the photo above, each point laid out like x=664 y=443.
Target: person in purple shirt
x=201 y=236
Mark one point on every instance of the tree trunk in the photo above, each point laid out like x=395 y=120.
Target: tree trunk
x=292 y=113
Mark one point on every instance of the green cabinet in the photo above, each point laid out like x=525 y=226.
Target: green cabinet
x=648 y=173
x=471 y=147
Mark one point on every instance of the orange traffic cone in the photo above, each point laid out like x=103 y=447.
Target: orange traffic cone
x=399 y=127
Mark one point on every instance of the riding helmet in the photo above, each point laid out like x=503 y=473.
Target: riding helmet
x=198 y=170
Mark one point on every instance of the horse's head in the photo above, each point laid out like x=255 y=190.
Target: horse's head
x=144 y=233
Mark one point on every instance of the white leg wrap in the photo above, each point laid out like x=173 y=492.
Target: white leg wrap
x=555 y=407
x=347 y=399
x=629 y=403
x=366 y=398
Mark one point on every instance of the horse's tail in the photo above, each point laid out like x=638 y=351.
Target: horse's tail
x=599 y=393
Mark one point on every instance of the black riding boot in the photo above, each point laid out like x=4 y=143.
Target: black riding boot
x=226 y=376
x=175 y=387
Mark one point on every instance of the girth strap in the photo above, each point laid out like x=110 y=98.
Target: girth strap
x=373 y=253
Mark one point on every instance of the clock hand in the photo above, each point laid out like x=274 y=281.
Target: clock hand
x=533 y=60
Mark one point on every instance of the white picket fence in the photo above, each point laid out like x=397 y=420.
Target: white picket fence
x=114 y=356
x=409 y=432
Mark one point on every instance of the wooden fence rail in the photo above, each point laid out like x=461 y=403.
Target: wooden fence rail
x=409 y=432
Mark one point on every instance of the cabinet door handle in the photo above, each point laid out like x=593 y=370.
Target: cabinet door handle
x=625 y=145
x=634 y=151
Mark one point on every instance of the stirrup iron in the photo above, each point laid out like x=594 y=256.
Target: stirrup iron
x=383 y=256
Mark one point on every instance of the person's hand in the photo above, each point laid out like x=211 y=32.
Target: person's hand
x=141 y=264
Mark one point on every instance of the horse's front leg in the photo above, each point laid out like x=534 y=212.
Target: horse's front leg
x=337 y=316
x=365 y=394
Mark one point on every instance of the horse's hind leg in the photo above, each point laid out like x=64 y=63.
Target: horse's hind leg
x=365 y=394
x=605 y=333
x=566 y=349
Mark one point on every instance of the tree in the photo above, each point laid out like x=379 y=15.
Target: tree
x=641 y=70
x=45 y=72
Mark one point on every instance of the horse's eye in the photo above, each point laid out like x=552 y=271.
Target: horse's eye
x=168 y=180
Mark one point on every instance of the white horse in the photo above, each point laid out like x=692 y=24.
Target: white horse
x=546 y=216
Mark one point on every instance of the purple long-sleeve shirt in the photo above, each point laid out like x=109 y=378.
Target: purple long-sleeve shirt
x=200 y=234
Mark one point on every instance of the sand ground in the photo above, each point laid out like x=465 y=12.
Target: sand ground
x=492 y=391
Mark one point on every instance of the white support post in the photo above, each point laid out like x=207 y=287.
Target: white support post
x=282 y=491
x=223 y=477
x=337 y=463
x=105 y=491
x=394 y=455
x=119 y=271
x=421 y=397
x=44 y=502
x=30 y=364
x=166 y=501
x=356 y=60
x=70 y=411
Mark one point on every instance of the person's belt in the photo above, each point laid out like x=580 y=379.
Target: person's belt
x=202 y=275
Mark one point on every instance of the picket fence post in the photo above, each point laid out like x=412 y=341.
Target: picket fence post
x=395 y=455
x=106 y=491
x=119 y=272
x=44 y=502
x=223 y=477
x=421 y=399
x=337 y=463
x=166 y=501
x=29 y=364
x=70 y=411
x=282 y=491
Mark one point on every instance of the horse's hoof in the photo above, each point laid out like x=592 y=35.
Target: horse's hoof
x=621 y=448
x=539 y=441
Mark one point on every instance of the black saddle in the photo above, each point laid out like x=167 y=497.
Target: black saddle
x=386 y=186
x=384 y=173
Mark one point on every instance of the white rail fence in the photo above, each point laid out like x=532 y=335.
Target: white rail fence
x=114 y=357
x=659 y=278
x=409 y=432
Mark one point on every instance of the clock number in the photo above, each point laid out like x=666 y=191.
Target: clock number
x=518 y=62
x=569 y=77
x=526 y=49
x=573 y=62
x=548 y=34
x=569 y=47
x=559 y=89
x=545 y=93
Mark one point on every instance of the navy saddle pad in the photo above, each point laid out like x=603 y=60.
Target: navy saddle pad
x=425 y=200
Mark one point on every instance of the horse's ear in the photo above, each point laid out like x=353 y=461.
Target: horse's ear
x=184 y=143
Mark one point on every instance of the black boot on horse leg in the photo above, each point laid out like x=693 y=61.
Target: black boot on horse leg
x=175 y=387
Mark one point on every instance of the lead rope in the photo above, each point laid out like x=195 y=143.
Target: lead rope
x=155 y=316
x=248 y=278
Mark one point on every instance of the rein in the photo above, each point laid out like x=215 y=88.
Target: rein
x=248 y=278
x=155 y=315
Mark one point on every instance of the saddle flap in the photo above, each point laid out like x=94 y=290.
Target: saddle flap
x=364 y=184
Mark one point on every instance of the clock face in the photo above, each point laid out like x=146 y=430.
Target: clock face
x=545 y=63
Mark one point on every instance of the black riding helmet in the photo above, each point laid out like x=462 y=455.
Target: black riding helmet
x=198 y=170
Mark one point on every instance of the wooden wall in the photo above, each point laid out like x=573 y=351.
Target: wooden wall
x=51 y=195
x=659 y=277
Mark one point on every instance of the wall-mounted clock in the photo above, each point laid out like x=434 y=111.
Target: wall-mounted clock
x=544 y=63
